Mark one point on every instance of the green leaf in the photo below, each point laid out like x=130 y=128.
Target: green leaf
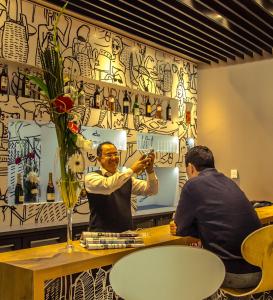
x=39 y=81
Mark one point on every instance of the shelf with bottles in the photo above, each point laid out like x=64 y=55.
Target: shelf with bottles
x=89 y=92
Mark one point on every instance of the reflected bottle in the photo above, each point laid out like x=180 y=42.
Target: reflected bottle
x=50 y=190
x=19 y=192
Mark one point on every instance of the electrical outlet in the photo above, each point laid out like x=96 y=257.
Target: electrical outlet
x=234 y=174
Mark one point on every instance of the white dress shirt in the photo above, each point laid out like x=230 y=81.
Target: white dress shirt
x=98 y=184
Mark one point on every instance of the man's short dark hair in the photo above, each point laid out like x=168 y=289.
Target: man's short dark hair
x=99 y=148
x=201 y=157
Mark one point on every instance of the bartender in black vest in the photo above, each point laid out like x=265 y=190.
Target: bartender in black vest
x=109 y=190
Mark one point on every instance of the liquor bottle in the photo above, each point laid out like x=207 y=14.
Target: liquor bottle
x=97 y=99
x=26 y=86
x=4 y=80
x=111 y=101
x=125 y=103
x=169 y=112
x=19 y=193
x=50 y=190
x=148 y=108
x=136 y=107
x=158 y=113
x=81 y=95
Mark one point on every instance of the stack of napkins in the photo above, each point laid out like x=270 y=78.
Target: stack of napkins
x=110 y=240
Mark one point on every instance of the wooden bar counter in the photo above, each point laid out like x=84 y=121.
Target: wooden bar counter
x=265 y=214
x=23 y=273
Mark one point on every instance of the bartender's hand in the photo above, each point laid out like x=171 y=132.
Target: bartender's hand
x=173 y=228
x=140 y=165
x=150 y=165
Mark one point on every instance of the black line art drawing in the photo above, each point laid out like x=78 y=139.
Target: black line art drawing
x=94 y=53
x=14 y=31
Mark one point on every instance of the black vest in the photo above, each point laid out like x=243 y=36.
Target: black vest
x=111 y=213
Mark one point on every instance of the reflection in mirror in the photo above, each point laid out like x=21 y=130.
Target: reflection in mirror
x=33 y=157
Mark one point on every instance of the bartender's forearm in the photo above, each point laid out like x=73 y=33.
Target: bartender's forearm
x=145 y=188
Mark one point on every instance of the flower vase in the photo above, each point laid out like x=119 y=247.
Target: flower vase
x=69 y=244
x=69 y=191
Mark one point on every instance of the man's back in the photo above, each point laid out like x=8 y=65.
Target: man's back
x=213 y=208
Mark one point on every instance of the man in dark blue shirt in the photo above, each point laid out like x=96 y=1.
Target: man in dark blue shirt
x=214 y=209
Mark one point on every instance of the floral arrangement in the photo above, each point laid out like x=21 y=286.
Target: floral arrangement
x=63 y=113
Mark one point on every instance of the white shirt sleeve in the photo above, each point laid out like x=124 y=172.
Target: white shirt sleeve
x=143 y=187
x=98 y=184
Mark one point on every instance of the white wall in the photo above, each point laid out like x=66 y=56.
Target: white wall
x=235 y=119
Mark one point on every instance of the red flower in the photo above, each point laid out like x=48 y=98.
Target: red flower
x=31 y=155
x=63 y=104
x=18 y=160
x=73 y=127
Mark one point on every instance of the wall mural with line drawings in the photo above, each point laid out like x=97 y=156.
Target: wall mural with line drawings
x=26 y=29
x=91 y=52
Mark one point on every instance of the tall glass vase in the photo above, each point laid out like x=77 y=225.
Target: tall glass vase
x=69 y=190
x=69 y=244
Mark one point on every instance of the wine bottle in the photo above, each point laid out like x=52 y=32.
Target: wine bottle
x=97 y=99
x=19 y=193
x=136 y=107
x=158 y=113
x=81 y=95
x=125 y=103
x=169 y=112
x=4 y=80
x=26 y=86
x=50 y=190
x=148 y=108
x=111 y=101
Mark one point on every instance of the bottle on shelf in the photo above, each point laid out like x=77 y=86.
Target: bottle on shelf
x=40 y=93
x=4 y=81
x=26 y=85
x=126 y=103
x=148 y=107
x=111 y=101
x=32 y=85
x=97 y=98
x=81 y=95
x=169 y=112
x=50 y=190
x=19 y=192
x=136 y=107
x=158 y=113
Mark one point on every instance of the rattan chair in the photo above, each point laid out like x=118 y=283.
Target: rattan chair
x=167 y=272
x=257 y=249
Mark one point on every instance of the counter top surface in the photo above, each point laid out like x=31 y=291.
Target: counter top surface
x=265 y=214
x=55 y=260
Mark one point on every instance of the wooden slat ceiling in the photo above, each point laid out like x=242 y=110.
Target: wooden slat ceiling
x=207 y=31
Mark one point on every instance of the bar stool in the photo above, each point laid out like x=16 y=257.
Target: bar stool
x=167 y=272
x=257 y=249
